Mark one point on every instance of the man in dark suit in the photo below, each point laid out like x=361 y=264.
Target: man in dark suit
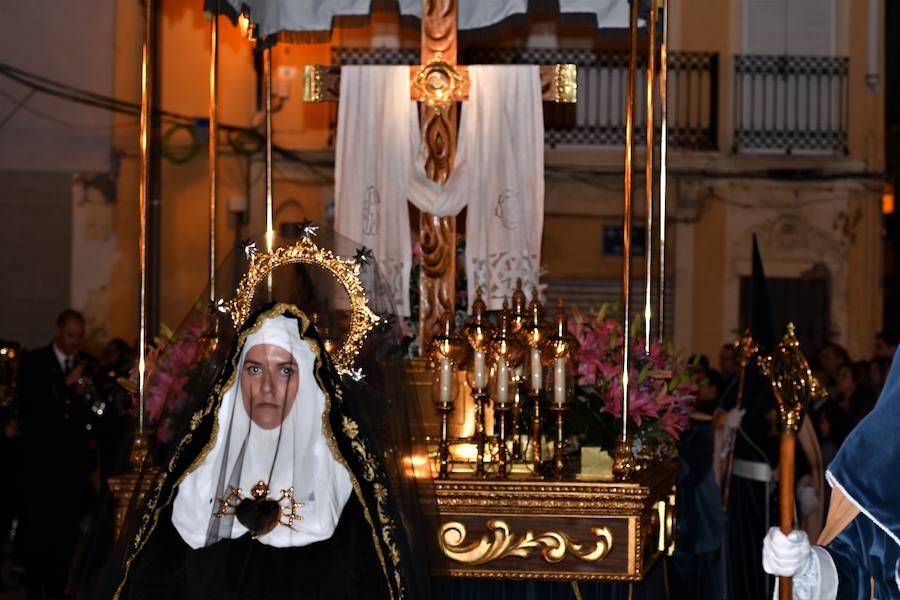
x=58 y=458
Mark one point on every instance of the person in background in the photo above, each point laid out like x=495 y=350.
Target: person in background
x=830 y=358
x=700 y=366
x=57 y=455
x=728 y=362
x=886 y=344
x=834 y=426
x=11 y=504
x=878 y=370
x=853 y=394
x=700 y=521
x=110 y=407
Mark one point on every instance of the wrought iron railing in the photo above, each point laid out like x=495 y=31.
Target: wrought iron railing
x=790 y=104
x=598 y=117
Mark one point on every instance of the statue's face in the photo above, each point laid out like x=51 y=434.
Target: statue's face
x=269 y=383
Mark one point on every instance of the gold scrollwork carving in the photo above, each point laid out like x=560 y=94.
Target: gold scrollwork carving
x=439 y=26
x=553 y=545
x=437 y=284
x=345 y=270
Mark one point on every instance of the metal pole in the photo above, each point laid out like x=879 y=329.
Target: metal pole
x=267 y=77
x=143 y=204
x=648 y=177
x=213 y=144
x=663 y=152
x=154 y=181
x=629 y=190
x=623 y=462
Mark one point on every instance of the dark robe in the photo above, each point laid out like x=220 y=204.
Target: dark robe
x=865 y=471
x=58 y=460
x=341 y=567
x=700 y=522
x=367 y=557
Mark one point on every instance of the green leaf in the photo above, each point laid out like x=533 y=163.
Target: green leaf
x=603 y=312
x=643 y=374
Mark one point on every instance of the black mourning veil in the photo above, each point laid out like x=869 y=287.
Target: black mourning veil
x=199 y=420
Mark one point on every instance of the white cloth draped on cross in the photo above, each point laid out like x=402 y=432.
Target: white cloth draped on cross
x=498 y=173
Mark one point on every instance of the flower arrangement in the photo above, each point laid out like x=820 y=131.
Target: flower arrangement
x=169 y=364
x=660 y=393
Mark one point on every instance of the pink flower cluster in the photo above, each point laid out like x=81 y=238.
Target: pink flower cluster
x=660 y=393
x=168 y=366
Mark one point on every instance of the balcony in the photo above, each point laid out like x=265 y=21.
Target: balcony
x=598 y=118
x=791 y=104
x=782 y=104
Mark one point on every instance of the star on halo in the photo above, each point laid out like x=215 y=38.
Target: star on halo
x=357 y=375
x=309 y=229
x=364 y=255
x=249 y=248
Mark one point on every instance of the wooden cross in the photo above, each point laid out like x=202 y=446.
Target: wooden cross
x=439 y=83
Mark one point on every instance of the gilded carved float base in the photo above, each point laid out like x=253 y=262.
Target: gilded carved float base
x=523 y=528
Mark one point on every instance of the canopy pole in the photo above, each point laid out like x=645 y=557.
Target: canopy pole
x=663 y=169
x=143 y=204
x=213 y=143
x=648 y=178
x=623 y=464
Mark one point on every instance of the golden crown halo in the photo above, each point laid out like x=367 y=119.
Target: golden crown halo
x=345 y=270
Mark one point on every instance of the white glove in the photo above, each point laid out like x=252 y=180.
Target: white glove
x=733 y=418
x=785 y=555
x=807 y=499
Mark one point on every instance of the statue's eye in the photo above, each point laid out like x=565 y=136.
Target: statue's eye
x=254 y=369
x=287 y=371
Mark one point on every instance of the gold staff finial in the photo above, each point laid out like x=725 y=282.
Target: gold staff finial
x=792 y=380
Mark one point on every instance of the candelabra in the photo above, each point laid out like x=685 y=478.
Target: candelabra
x=518 y=319
x=478 y=334
x=535 y=331
x=448 y=349
x=560 y=384
x=506 y=350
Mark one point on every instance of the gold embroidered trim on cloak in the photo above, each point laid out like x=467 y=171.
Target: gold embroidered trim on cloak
x=213 y=403
x=336 y=453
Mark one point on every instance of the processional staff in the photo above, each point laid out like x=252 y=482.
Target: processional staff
x=745 y=347
x=794 y=387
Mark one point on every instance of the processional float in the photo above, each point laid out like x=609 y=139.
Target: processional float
x=508 y=509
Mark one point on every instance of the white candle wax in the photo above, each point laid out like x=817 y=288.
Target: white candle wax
x=479 y=369
x=559 y=381
x=446 y=380
x=502 y=382
x=537 y=373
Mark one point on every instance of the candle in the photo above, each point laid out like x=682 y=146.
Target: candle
x=537 y=374
x=559 y=381
x=479 y=370
x=502 y=382
x=446 y=380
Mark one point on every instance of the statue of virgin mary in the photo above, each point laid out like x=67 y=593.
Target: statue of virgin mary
x=290 y=466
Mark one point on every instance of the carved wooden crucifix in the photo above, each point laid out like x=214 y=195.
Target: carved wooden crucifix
x=439 y=83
